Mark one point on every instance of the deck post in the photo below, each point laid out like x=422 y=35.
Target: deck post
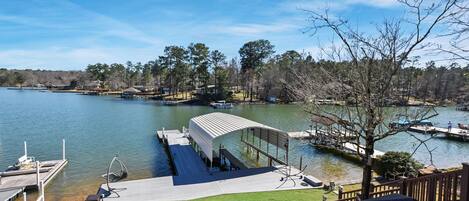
x=38 y=178
x=25 y=149
x=341 y=191
x=63 y=149
x=465 y=182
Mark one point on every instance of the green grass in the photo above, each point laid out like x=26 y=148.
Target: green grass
x=308 y=194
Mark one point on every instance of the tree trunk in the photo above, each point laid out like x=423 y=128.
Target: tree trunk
x=367 y=166
x=250 y=92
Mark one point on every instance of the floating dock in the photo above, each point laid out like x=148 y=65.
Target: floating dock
x=193 y=179
x=39 y=175
x=455 y=133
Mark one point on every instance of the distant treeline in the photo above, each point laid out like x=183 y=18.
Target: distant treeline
x=258 y=73
x=44 y=77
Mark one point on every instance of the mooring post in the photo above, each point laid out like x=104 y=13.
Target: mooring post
x=25 y=149
x=38 y=178
x=24 y=196
x=301 y=162
x=63 y=149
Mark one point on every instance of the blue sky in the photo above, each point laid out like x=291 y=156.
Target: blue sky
x=68 y=35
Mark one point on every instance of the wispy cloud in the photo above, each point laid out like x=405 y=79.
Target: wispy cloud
x=256 y=29
x=59 y=58
x=334 y=5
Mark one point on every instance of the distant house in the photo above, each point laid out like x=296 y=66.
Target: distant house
x=93 y=85
x=165 y=90
x=210 y=89
x=144 y=88
x=130 y=92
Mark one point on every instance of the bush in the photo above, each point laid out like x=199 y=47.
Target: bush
x=394 y=164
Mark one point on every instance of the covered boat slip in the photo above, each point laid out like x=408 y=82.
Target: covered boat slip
x=205 y=129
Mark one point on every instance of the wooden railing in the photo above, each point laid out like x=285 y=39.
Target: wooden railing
x=449 y=186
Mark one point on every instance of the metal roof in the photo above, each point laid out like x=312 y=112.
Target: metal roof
x=205 y=128
x=217 y=123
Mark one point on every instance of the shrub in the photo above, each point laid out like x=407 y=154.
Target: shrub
x=393 y=164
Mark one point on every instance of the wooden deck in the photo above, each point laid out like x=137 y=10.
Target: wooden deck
x=193 y=180
x=455 y=133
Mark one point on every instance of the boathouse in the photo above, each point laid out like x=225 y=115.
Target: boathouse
x=205 y=129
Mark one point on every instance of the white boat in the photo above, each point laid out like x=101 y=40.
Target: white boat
x=221 y=105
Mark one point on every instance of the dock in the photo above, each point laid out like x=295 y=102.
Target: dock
x=310 y=134
x=193 y=179
x=353 y=149
x=340 y=144
x=455 y=133
x=37 y=177
x=185 y=160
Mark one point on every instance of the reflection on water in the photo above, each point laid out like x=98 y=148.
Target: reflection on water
x=96 y=128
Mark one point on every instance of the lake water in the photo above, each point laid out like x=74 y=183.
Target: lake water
x=95 y=128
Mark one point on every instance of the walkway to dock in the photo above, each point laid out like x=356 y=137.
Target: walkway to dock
x=193 y=180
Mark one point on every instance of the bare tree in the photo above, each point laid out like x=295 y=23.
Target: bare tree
x=371 y=65
x=458 y=33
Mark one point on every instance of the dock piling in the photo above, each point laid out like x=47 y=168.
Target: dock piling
x=63 y=149
x=24 y=197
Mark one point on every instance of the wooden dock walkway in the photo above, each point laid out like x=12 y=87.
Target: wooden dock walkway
x=185 y=160
x=455 y=133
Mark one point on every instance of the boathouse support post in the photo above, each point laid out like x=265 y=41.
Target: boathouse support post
x=63 y=149
x=465 y=182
